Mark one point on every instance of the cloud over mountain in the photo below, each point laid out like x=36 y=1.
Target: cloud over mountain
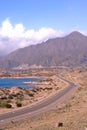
x=17 y=36
x=70 y=50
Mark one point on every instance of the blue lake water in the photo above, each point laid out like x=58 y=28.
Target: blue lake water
x=9 y=82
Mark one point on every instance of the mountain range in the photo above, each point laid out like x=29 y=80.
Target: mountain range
x=70 y=50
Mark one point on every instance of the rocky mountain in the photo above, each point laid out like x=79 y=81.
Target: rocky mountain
x=70 y=50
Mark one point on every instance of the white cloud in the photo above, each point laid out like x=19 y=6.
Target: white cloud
x=17 y=36
x=7 y=29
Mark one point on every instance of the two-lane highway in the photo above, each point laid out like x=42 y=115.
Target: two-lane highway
x=40 y=106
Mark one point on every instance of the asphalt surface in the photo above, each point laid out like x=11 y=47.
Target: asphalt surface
x=38 y=107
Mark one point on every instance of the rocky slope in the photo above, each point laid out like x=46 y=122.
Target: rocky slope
x=70 y=50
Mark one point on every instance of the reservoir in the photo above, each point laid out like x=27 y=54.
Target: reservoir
x=19 y=82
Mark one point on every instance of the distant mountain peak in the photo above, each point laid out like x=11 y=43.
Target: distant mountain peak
x=76 y=34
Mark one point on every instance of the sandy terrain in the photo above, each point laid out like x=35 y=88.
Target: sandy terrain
x=72 y=113
x=43 y=89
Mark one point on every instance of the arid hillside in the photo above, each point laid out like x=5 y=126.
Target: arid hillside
x=70 y=50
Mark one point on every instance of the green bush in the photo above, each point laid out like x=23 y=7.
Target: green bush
x=3 y=98
x=10 y=96
x=31 y=94
x=18 y=104
x=7 y=105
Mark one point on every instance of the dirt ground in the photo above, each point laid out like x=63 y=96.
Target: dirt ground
x=72 y=114
x=27 y=96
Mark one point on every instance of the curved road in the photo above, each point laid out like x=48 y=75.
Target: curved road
x=38 y=107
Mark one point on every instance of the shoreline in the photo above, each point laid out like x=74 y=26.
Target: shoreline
x=20 y=83
x=19 y=77
x=40 y=92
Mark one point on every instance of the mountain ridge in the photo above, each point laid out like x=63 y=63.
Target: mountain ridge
x=70 y=50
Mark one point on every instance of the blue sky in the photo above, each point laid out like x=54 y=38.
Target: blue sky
x=58 y=14
x=26 y=22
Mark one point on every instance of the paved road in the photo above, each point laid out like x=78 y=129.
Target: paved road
x=38 y=107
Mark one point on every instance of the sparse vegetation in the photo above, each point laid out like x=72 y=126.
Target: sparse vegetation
x=18 y=104
x=31 y=94
x=10 y=96
x=68 y=105
x=72 y=113
x=6 y=105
